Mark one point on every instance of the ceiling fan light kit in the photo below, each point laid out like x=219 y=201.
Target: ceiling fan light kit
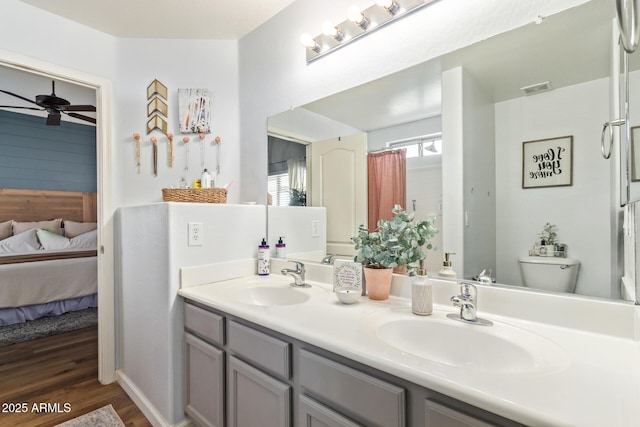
x=53 y=105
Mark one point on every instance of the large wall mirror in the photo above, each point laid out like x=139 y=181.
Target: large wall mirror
x=545 y=81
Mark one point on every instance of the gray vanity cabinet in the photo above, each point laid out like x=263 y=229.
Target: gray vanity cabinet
x=240 y=374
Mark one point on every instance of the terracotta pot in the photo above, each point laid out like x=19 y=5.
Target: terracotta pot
x=401 y=269
x=378 y=282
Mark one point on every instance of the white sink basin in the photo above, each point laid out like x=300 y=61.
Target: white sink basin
x=500 y=348
x=268 y=295
x=270 y=291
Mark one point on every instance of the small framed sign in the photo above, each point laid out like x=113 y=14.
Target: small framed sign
x=547 y=162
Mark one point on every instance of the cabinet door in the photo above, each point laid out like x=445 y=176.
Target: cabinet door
x=437 y=415
x=205 y=382
x=314 y=414
x=255 y=398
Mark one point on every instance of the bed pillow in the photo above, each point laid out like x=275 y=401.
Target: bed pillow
x=52 y=225
x=73 y=229
x=24 y=242
x=52 y=241
x=5 y=229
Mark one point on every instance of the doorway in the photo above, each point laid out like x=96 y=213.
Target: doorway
x=106 y=289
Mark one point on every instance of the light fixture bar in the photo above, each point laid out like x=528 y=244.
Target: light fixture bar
x=358 y=24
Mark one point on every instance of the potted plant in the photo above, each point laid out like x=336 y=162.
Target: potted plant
x=396 y=242
x=548 y=240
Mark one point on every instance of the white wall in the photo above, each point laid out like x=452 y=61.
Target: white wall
x=153 y=248
x=579 y=211
x=178 y=64
x=293 y=223
x=132 y=64
x=275 y=77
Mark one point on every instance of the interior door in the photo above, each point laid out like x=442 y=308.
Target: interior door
x=339 y=183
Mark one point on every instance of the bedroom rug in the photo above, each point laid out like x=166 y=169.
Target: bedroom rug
x=46 y=326
x=103 y=417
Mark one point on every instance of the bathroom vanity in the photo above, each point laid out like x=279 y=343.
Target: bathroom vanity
x=260 y=352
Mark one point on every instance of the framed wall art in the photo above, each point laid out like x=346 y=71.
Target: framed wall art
x=194 y=110
x=547 y=162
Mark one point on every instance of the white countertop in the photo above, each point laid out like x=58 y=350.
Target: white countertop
x=596 y=382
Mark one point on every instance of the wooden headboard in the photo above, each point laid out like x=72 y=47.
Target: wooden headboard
x=39 y=205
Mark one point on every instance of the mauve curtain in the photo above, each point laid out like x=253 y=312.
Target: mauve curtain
x=387 y=183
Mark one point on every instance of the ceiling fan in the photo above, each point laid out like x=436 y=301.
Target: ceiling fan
x=54 y=106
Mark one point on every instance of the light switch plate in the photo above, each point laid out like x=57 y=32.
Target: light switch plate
x=315 y=228
x=196 y=234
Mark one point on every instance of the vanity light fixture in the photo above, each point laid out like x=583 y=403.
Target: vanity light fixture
x=359 y=23
x=389 y=5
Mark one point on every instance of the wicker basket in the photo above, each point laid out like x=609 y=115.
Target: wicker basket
x=195 y=195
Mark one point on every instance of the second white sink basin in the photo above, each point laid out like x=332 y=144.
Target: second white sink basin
x=500 y=348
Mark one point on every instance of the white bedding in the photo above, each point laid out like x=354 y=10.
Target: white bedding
x=39 y=282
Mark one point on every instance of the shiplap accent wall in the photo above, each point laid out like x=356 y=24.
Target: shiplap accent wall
x=40 y=157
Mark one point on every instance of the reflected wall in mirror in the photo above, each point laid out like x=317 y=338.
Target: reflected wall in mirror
x=473 y=97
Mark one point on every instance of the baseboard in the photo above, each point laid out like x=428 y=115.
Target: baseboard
x=144 y=405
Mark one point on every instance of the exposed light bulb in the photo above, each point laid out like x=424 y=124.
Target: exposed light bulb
x=309 y=42
x=389 y=5
x=354 y=14
x=328 y=29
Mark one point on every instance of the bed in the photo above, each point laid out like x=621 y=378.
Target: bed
x=48 y=253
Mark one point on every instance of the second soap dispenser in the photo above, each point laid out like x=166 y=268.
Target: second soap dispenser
x=421 y=293
x=447 y=271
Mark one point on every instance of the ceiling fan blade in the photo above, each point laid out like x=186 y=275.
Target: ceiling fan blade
x=82 y=117
x=18 y=96
x=77 y=108
x=24 y=108
x=53 y=119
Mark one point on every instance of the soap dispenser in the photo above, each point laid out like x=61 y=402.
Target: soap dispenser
x=447 y=271
x=421 y=293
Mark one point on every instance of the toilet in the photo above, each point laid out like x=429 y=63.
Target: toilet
x=549 y=273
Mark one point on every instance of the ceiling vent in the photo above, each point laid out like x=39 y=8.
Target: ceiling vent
x=536 y=88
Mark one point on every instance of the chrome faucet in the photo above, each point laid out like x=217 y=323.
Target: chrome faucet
x=328 y=259
x=468 y=303
x=297 y=274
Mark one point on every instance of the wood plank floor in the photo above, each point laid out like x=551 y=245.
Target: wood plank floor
x=61 y=371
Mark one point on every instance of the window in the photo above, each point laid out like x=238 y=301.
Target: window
x=278 y=187
x=420 y=146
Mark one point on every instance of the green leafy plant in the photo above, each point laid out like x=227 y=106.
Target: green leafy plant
x=297 y=197
x=548 y=234
x=396 y=242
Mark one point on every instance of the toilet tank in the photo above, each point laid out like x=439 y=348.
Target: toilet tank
x=549 y=273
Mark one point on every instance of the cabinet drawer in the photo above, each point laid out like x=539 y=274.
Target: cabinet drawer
x=205 y=324
x=355 y=394
x=262 y=350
